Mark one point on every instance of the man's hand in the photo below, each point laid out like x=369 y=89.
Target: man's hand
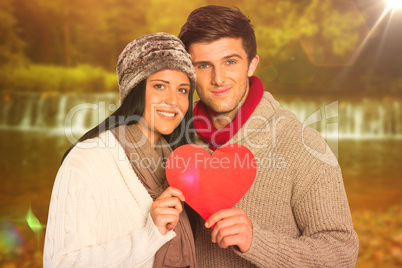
x=232 y=228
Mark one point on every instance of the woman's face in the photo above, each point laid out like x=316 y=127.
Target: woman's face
x=166 y=102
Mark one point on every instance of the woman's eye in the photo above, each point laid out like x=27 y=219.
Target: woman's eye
x=159 y=86
x=183 y=90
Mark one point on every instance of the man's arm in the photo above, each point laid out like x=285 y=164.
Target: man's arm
x=323 y=217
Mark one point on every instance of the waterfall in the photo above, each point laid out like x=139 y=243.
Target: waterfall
x=367 y=118
x=54 y=112
x=75 y=113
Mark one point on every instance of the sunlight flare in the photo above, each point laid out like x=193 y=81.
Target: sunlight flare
x=369 y=35
x=394 y=3
x=33 y=221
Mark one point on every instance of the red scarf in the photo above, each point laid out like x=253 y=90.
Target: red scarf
x=216 y=138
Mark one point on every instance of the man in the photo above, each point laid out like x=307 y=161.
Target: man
x=296 y=212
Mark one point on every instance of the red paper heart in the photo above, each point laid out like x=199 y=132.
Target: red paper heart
x=211 y=183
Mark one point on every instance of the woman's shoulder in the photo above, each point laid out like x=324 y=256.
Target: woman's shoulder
x=94 y=152
x=95 y=163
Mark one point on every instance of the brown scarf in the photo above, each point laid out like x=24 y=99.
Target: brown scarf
x=148 y=164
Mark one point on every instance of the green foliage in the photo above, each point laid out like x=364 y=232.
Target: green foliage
x=174 y=14
x=11 y=44
x=45 y=78
x=295 y=38
x=385 y=84
x=279 y=24
x=94 y=32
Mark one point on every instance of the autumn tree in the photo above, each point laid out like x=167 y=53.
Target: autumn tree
x=11 y=44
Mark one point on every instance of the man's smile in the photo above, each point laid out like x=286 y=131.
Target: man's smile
x=221 y=91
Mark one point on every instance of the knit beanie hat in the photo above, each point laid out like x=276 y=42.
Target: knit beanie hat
x=150 y=54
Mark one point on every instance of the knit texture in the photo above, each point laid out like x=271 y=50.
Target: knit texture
x=297 y=203
x=99 y=211
x=150 y=54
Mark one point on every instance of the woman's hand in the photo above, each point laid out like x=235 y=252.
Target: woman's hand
x=166 y=209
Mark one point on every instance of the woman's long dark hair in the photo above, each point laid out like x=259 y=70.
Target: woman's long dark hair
x=131 y=111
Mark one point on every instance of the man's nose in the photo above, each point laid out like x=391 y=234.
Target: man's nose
x=218 y=76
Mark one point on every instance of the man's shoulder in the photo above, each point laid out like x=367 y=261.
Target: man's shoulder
x=289 y=131
x=270 y=105
x=270 y=111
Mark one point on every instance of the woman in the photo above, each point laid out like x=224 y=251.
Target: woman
x=111 y=205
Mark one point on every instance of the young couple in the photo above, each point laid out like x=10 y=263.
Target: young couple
x=108 y=209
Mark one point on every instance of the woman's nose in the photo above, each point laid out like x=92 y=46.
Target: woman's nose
x=171 y=98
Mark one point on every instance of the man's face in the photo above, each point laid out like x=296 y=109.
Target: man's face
x=222 y=73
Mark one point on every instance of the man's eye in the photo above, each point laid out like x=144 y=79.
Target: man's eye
x=159 y=86
x=203 y=66
x=230 y=62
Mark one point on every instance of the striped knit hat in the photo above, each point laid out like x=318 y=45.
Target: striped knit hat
x=150 y=54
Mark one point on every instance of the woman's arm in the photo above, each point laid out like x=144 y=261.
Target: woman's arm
x=82 y=227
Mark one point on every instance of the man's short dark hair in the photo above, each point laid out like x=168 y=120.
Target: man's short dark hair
x=211 y=23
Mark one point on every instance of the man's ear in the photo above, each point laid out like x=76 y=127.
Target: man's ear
x=253 y=65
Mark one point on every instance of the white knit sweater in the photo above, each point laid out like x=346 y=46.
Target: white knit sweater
x=99 y=211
